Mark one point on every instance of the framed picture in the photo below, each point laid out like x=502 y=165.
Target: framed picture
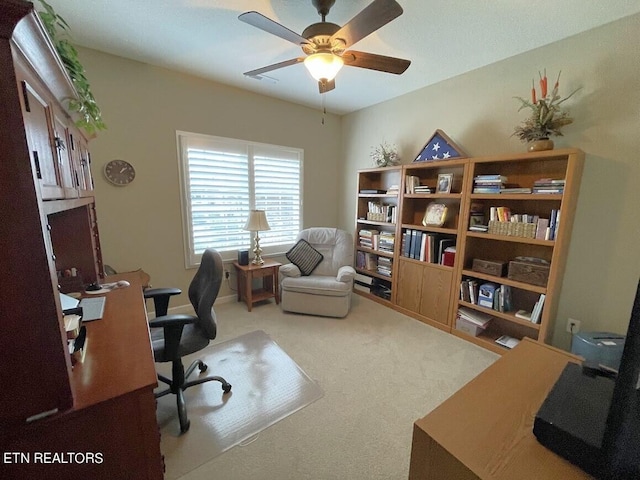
x=435 y=215
x=444 y=183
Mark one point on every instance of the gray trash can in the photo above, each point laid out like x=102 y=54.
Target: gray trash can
x=599 y=347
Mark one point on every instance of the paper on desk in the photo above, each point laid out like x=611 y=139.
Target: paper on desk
x=68 y=302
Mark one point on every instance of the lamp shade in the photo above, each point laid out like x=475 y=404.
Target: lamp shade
x=323 y=66
x=257 y=221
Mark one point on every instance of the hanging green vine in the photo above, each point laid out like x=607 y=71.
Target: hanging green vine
x=59 y=32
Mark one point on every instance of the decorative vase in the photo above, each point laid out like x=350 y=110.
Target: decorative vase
x=540 y=145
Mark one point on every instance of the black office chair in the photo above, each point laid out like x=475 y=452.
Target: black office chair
x=186 y=334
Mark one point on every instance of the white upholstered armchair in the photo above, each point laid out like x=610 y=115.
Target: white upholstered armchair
x=324 y=289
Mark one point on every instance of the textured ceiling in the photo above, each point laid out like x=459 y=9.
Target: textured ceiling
x=442 y=39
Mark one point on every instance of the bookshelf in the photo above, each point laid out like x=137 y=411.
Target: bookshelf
x=375 y=238
x=533 y=281
x=424 y=288
x=424 y=282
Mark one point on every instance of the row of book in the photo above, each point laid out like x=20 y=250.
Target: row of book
x=374 y=263
x=546 y=228
x=495 y=183
x=412 y=185
x=498 y=298
x=428 y=247
x=488 y=295
x=381 y=212
x=376 y=240
x=535 y=314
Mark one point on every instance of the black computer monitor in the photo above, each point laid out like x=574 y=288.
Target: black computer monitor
x=622 y=434
x=593 y=419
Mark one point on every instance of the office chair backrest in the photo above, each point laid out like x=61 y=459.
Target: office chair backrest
x=204 y=289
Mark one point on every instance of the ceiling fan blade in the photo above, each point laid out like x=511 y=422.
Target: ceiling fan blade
x=374 y=16
x=375 y=62
x=326 y=85
x=259 y=71
x=263 y=23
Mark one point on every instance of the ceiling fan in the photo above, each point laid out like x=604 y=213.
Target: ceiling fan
x=325 y=44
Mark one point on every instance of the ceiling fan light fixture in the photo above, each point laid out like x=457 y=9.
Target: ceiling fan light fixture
x=323 y=65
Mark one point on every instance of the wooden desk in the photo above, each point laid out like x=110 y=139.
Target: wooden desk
x=114 y=412
x=485 y=430
x=268 y=271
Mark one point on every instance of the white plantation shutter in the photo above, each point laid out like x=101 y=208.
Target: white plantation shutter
x=223 y=179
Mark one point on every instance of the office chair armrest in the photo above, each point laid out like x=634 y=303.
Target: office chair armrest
x=346 y=274
x=176 y=320
x=290 y=270
x=161 y=298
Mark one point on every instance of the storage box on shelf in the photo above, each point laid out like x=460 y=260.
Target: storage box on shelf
x=375 y=238
x=535 y=291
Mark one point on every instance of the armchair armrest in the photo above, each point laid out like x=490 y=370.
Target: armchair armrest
x=346 y=274
x=289 y=270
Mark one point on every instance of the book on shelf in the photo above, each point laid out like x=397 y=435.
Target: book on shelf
x=469 y=291
x=473 y=316
x=363 y=279
x=410 y=184
x=371 y=191
x=422 y=189
x=448 y=256
x=536 y=313
x=362 y=287
x=524 y=315
x=548 y=185
x=507 y=341
x=516 y=190
x=393 y=190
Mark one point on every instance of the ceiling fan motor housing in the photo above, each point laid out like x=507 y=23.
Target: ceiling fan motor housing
x=319 y=34
x=323 y=6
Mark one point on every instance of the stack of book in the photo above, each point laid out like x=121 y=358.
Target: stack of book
x=386 y=242
x=489 y=183
x=384 y=266
x=471 y=321
x=369 y=238
x=423 y=189
x=548 y=185
x=393 y=190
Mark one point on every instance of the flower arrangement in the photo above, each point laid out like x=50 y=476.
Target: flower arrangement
x=385 y=155
x=547 y=117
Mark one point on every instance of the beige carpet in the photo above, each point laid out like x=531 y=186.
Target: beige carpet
x=380 y=371
x=267 y=386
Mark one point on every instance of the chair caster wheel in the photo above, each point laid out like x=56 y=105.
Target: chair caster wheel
x=226 y=388
x=202 y=367
x=185 y=428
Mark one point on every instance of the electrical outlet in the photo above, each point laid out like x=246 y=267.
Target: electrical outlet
x=573 y=326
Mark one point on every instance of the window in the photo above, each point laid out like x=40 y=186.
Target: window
x=222 y=179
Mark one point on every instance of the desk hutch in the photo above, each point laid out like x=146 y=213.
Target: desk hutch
x=47 y=225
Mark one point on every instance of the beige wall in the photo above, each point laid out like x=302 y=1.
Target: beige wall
x=143 y=106
x=477 y=110
x=140 y=225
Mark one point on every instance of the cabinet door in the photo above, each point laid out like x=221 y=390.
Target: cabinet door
x=409 y=288
x=436 y=291
x=37 y=115
x=63 y=152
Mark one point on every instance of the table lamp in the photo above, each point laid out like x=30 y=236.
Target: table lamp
x=257 y=222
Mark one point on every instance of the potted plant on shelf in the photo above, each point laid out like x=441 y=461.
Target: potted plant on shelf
x=547 y=117
x=385 y=155
x=58 y=30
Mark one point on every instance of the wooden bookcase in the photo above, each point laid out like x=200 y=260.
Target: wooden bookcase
x=430 y=291
x=522 y=170
x=424 y=285
x=377 y=211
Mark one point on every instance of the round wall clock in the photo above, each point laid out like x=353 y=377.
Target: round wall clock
x=119 y=172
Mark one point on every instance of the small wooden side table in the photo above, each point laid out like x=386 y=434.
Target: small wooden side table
x=268 y=271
